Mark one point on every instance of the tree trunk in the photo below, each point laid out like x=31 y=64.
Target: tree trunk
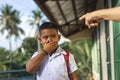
x=10 y=52
x=37 y=31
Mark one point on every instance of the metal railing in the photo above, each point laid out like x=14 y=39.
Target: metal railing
x=16 y=75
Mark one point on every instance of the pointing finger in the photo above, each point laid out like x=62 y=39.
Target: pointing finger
x=82 y=17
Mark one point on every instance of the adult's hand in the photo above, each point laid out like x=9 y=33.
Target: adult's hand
x=91 y=20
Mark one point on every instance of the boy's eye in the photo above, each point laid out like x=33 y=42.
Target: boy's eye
x=51 y=36
x=45 y=37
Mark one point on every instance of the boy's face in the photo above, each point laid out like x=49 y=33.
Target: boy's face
x=49 y=35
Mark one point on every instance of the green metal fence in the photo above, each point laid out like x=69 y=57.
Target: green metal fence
x=16 y=75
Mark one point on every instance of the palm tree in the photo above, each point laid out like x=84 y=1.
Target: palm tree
x=83 y=57
x=9 y=21
x=35 y=21
x=36 y=18
x=81 y=50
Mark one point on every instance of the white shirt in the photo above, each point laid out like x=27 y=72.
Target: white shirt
x=54 y=66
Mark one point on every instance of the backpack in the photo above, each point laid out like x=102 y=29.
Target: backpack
x=66 y=57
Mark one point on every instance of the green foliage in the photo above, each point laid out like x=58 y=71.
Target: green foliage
x=35 y=20
x=9 y=21
x=4 y=56
x=23 y=54
x=20 y=56
x=36 y=17
x=81 y=50
x=66 y=46
x=30 y=45
x=18 y=62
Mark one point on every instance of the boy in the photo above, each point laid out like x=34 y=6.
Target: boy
x=49 y=63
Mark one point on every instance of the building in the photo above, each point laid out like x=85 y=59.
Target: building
x=106 y=37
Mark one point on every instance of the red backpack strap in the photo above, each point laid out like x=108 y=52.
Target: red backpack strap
x=66 y=57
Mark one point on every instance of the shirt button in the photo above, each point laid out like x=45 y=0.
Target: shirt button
x=50 y=60
x=49 y=74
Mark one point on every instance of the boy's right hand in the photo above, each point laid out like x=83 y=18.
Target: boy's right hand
x=50 y=46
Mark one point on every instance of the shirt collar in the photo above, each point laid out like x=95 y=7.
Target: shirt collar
x=58 y=52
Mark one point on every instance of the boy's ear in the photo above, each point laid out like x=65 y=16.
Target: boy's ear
x=38 y=37
x=59 y=36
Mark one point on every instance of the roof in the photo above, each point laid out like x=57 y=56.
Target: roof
x=65 y=13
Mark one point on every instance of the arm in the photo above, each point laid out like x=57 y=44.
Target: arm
x=34 y=63
x=73 y=68
x=73 y=76
x=109 y=14
x=93 y=18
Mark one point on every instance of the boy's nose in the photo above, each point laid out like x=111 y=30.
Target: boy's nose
x=50 y=39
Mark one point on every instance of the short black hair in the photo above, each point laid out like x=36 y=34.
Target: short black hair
x=48 y=25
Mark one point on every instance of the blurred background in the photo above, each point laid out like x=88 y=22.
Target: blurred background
x=19 y=21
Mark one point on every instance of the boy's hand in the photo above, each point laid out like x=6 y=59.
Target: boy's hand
x=50 y=46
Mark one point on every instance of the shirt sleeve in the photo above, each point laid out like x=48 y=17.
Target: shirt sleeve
x=35 y=54
x=72 y=64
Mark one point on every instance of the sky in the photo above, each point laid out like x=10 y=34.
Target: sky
x=25 y=7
